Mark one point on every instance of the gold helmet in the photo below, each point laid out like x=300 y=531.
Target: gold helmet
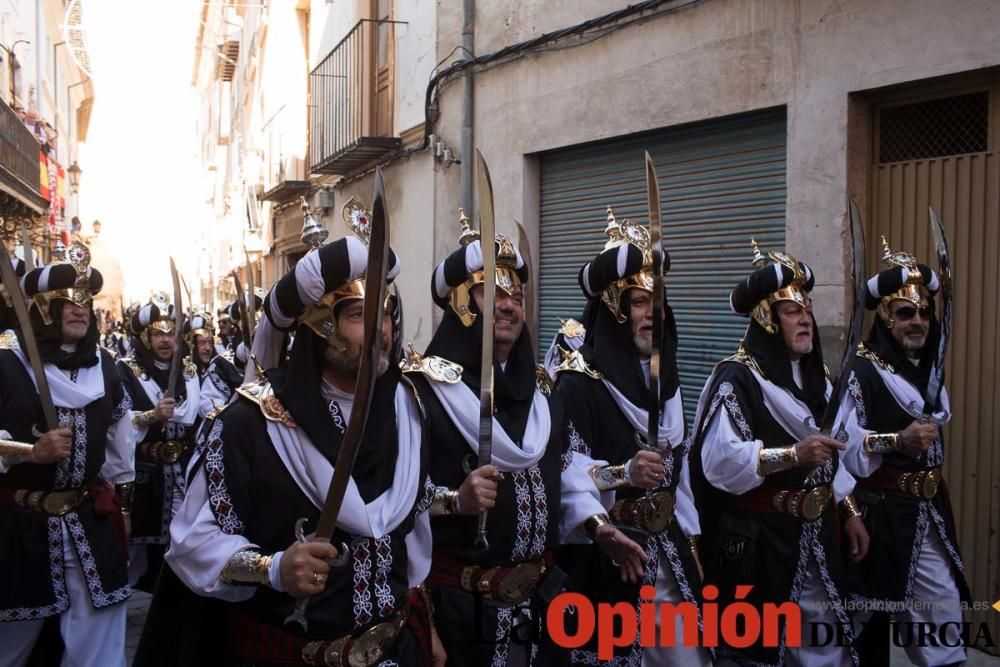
x=72 y=279
x=905 y=279
x=462 y=270
x=778 y=276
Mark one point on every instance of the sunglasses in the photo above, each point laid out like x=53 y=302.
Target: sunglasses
x=909 y=312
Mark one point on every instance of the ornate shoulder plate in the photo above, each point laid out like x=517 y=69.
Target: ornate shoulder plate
x=435 y=368
x=572 y=329
x=272 y=409
x=542 y=380
x=574 y=362
x=742 y=357
x=870 y=355
x=190 y=370
x=8 y=341
x=136 y=369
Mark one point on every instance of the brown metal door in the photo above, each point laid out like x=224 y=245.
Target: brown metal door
x=965 y=190
x=384 y=67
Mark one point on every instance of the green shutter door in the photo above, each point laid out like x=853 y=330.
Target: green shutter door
x=721 y=183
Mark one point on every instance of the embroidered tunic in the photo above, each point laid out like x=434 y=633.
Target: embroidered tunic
x=32 y=583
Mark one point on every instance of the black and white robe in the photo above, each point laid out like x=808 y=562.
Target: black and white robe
x=784 y=558
x=602 y=424
x=159 y=486
x=544 y=495
x=904 y=529
x=91 y=400
x=254 y=478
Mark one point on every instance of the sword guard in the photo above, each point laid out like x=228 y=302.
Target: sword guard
x=300 y=530
x=343 y=556
x=298 y=616
x=35 y=432
x=810 y=424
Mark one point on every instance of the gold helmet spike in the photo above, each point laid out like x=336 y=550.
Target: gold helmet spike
x=793 y=291
x=467 y=235
x=913 y=290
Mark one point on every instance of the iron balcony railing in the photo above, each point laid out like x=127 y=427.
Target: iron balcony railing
x=350 y=110
x=19 y=160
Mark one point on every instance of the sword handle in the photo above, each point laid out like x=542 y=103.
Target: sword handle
x=481 y=541
x=298 y=615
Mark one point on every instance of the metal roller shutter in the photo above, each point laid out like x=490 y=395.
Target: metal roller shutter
x=722 y=181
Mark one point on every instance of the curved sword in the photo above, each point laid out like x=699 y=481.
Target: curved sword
x=371 y=348
x=175 y=361
x=487 y=236
x=936 y=383
x=856 y=322
x=30 y=342
x=524 y=245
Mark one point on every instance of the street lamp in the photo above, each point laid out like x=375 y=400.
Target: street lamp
x=74 y=172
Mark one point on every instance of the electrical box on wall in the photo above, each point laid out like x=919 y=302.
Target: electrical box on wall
x=323 y=199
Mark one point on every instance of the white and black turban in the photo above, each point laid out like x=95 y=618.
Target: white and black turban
x=57 y=277
x=764 y=282
x=147 y=315
x=333 y=265
x=460 y=264
x=888 y=282
x=324 y=270
x=611 y=265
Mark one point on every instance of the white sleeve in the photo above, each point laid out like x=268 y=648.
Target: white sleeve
x=579 y=498
x=199 y=549
x=854 y=458
x=684 y=509
x=418 y=549
x=729 y=461
x=211 y=397
x=843 y=483
x=119 y=460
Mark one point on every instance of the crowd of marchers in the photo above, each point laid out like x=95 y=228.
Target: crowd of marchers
x=300 y=487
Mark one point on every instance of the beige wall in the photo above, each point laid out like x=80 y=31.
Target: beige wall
x=708 y=60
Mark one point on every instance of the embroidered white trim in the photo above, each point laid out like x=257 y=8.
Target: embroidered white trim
x=541 y=511
x=215 y=475
x=362 y=558
x=57 y=577
x=98 y=596
x=383 y=567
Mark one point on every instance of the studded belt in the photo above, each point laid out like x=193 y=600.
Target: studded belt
x=53 y=503
x=167 y=451
x=510 y=583
x=364 y=650
x=651 y=513
x=808 y=504
x=923 y=484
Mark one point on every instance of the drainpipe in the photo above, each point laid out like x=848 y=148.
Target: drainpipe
x=466 y=149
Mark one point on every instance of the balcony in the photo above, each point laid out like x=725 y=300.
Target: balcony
x=351 y=101
x=20 y=175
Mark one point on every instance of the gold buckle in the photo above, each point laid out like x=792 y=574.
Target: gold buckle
x=519 y=582
x=931 y=481
x=656 y=511
x=170 y=451
x=814 y=502
x=792 y=506
x=369 y=648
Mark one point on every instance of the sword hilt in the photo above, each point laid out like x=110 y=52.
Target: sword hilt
x=298 y=615
x=481 y=541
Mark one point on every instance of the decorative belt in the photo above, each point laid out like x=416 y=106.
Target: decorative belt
x=253 y=640
x=808 y=504
x=651 y=513
x=364 y=650
x=923 y=484
x=54 y=503
x=511 y=584
x=167 y=451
